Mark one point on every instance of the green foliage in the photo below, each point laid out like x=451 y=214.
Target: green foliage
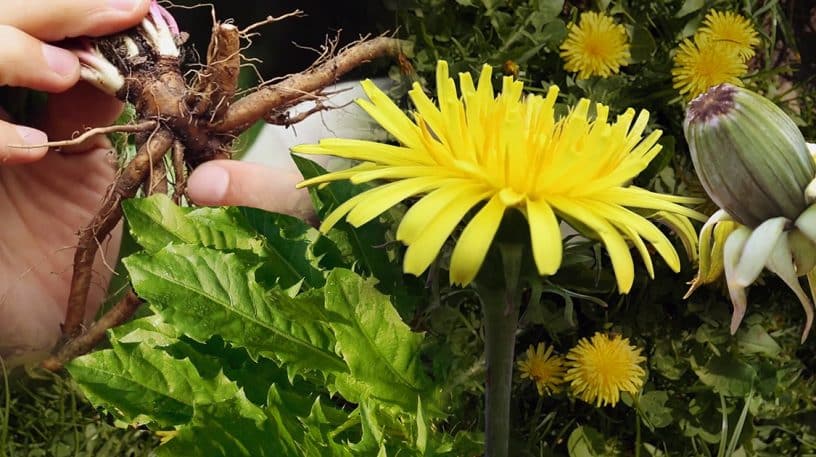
x=44 y=415
x=264 y=337
x=235 y=361
x=239 y=358
x=522 y=38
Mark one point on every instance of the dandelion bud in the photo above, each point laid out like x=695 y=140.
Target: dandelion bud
x=749 y=155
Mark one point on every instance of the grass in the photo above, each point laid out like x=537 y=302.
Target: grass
x=42 y=414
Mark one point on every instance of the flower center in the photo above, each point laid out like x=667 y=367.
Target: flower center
x=540 y=370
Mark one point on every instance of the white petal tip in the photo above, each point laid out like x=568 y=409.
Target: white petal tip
x=736 y=318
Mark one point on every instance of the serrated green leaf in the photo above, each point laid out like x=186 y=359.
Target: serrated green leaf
x=205 y=292
x=151 y=330
x=233 y=428
x=141 y=384
x=381 y=351
x=372 y=438
x=318 y=440
x=156 y=222
x=366 y=243
x=288 y=243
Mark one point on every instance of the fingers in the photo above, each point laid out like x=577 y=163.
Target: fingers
x=54 y=20
x=27 y=62
x=233 y=183
x=76 y=110
x=13 y=139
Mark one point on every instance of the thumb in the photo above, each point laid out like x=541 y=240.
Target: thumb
x=18 y=144
x=233 y=183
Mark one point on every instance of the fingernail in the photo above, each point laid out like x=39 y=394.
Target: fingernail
x=31 y=136
x=124 y=5
x=59 y=60
x=208 y=185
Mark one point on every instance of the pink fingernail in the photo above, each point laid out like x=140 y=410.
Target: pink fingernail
x=59 y=60
x=124 y=5
x=31 y=136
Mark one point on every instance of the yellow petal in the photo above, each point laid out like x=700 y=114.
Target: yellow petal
x=406 y=172
x=335 y=216
x=438 y=227
x=640 y=246
x=476 y=238
x=613 y=241
x=545 y=236
x=389 y=116
x=367 y=151
x=424 y=105
x=710 y=263
x=682 y=227
x=636 y=197
x=417 y=218
x=338 y=175
x=381 y=198
x=623 y=217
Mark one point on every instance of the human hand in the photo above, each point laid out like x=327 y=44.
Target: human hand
x=233 y=183
x=46 y=197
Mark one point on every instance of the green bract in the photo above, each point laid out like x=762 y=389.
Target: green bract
x=751 y=158
x=755 y=164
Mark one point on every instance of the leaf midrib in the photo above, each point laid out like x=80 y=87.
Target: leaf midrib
x=134 y=380
x=323 y=354
x=371 y=344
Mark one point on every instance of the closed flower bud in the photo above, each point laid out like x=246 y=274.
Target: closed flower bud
x=750 y=157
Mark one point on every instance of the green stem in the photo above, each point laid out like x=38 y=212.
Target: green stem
x=724 y=431
x=500 y=323
x=638 y=438
x=501 y=310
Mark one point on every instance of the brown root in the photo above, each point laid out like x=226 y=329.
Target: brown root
x=218 y=81
x=271 y=19
x=286 y=120
x=200 y=123
x=84 y=343
x=144 y=126
x=157 y=179
x=255 y=106
x=179 y=172
x=126 y=185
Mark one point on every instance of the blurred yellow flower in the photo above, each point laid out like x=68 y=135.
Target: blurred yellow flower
x=596 y=46
x=543 y=368
x=507 y=151
x=702 y=62
x=599 y=369
x=731 y=29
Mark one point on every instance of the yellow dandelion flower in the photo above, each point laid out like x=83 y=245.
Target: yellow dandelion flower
x=731 y=29
x=596 y=46
x=543 y=368
x=500 y=152
x=703 y=63
x=600 y=369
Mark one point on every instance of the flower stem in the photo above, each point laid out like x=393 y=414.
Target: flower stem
x=501 y=309
x=638 y=439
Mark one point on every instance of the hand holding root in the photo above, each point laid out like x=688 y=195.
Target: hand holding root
x=196 y=121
